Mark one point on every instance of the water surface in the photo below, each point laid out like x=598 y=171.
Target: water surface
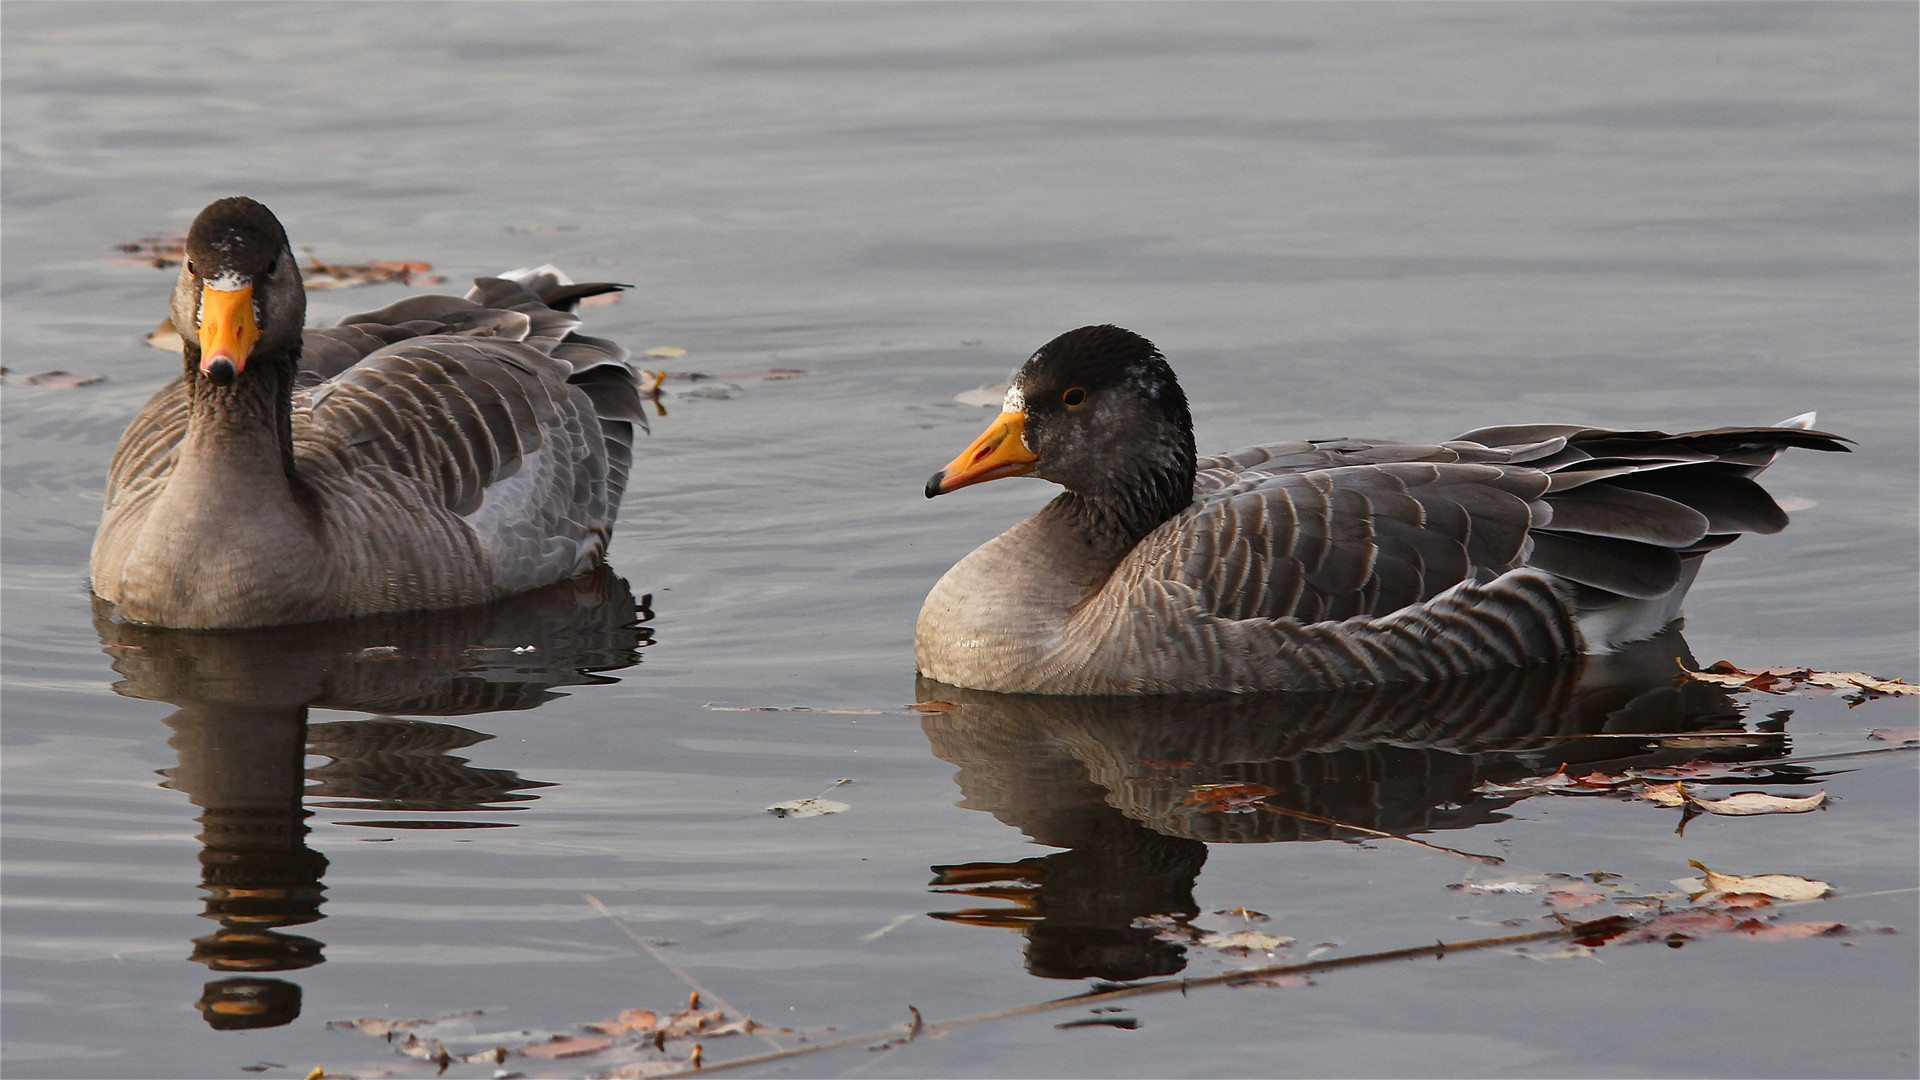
x=1402 y=221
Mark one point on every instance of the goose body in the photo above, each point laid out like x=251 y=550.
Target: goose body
x=1316 y=565
x=436 y=453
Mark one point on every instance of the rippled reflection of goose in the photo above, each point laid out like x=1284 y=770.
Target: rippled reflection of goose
x=437 y=453
x=241 y=735
x=1316 y=565
x=1110 y=778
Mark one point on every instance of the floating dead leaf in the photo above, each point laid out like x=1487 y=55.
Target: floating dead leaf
x=1778 y=886
x=423 y=1050
x=934 y=707
x=162 y=251
x=666 y=350
x=482 y=1057
x=694 y=1021
x=1533 y=785
x=567 y=1046
x=1677 y=928
x=1736 y=900
x=743 y=1026
x=807 y=808
x=1227 y=798
x=1673 y=794
x=319 y=276
x=50 y=380
x=1786 y=680
x=1569 y=899
x=633 y=1020
x=1242 y=942
x=1748 y=803
x=1895 y=735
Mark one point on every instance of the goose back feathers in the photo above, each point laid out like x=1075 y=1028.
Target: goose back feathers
x=439 y=452
x=1322 y=564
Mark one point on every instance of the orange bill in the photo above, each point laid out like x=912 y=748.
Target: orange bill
x=1000 y=451
x=227 y=329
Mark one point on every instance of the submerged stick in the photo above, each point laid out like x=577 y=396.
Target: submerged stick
x=1493 y=860
x=685 y=977
x=915 y=1027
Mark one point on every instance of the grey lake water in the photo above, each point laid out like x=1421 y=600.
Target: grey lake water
x=1336 y=219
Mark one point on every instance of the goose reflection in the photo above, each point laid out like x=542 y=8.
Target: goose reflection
x=242 y=738
x=1110 y=779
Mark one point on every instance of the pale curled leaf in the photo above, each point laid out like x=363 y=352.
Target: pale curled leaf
x=1748 y=803
x=1778 y=886
x=807 y=808
x=1895 y=735
x=1244 y=941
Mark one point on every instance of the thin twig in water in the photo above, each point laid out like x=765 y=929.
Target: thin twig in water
x=1493 y=860
x=685 y=977
x=915 y=1027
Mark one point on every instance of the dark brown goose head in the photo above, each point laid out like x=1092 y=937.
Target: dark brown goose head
x=239 y=296
x=1098 y=411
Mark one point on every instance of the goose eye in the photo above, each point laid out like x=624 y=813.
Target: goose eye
x=268 y=272
x=1074 y=397
x=191 y=270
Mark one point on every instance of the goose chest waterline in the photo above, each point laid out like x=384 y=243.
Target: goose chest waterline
x=440 y=452
x=1322 y=564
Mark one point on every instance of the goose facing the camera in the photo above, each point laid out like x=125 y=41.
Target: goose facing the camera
x=437 y=453
x=1316 y=565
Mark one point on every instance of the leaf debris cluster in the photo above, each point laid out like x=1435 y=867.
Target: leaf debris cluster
x=1786 y=680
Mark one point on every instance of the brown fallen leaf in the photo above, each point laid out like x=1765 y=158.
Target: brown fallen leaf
x=567 y=1046
x=1786 y=680
x=807 y=808
x=162 y=251
x=1569 y=899
x=934 y=707
x=1778 y=886
x=1748 y=803
x=1673 y=794
x=1895 y=735
x=320 y=276
x=633 y=1020
x=693 y=1021
x=1227 y=798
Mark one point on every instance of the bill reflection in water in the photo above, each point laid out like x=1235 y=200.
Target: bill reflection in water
x=1112 y=781
x=242 y=737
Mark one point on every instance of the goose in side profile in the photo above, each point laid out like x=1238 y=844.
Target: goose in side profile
x=1316 y=565
x=436 y=453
